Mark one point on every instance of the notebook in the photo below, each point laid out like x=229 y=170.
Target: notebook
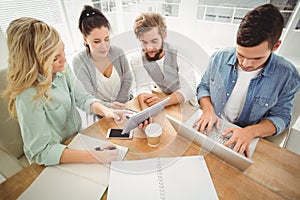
x=214 y=142
x=161 y=178
x=73 y=181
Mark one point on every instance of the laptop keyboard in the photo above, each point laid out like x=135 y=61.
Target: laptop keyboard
x=216 y=134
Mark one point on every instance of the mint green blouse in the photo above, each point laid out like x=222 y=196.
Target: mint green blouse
x=44 y=125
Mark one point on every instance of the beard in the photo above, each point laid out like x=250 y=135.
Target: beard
x=156 y=56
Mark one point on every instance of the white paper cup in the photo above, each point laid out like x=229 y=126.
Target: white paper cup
x=153 y=132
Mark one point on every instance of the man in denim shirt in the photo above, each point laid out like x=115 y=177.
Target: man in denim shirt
x=249 y=85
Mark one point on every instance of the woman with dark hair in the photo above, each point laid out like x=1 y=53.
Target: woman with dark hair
x=103 y=69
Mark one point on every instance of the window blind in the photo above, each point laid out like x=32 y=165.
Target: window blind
x=46 y=10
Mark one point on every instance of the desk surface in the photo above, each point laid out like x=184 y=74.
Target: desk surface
x=275 y=173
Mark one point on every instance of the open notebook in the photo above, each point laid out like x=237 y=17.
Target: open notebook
x=161 y=178
x=73 y=181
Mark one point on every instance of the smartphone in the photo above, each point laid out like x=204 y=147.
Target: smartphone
x=117 y=134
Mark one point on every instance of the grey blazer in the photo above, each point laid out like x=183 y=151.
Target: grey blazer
x=85 y=71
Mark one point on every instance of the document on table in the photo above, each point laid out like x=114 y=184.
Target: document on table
x=161 y=178
x=73 y=181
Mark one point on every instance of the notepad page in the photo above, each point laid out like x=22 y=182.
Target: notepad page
x=54 y=183
x=85 y=142
x=96 y=172
x=134 y=180
x=170 y=178
x=189 y=177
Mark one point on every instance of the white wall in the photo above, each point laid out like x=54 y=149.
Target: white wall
x=212 y=36
x=291 y=40
x=290 y=49
x=209 y=35
x=3 y=51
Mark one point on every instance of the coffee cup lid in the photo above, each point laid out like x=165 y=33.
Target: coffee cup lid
x=153 y=130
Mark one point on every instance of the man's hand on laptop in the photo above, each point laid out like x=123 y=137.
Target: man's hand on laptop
x=206 y=122
x=241 y=138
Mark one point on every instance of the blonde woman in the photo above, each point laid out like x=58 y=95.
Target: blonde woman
x=43 y=98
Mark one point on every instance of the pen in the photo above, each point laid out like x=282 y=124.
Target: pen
x=105 y=148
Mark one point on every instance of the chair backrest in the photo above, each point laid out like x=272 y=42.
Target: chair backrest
x=293 y=138
x=296 y=108
x=10 y=134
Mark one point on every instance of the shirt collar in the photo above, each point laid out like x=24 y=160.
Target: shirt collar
x=57 y=75
x=232 y=60
x=268 y=69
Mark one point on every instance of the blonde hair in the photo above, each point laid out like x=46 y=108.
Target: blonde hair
x=146 y=21
x=32 y=46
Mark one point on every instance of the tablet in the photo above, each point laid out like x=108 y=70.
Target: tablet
x=143 y=115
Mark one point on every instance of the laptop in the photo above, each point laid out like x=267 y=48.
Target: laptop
x=214 y=142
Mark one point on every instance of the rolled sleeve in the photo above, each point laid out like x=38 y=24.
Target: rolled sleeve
x=87 y=104
x=54 y=154
x=203 y=89
x=279 y=124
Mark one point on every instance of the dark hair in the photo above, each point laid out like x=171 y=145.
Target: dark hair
x=91 y=18
x=264 y=23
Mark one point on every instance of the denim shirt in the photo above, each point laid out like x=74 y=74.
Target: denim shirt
x=269 y=97
x=45 y=125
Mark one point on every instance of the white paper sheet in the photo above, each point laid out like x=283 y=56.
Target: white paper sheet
x=161 y=178
x=73 y=181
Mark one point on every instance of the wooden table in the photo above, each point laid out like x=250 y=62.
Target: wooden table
x=275 y=173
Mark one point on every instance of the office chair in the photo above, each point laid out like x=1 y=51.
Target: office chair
x=11 y=144
x=293 y=138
